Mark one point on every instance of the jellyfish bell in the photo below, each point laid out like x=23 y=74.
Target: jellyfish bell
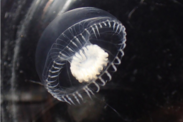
x=78 y=52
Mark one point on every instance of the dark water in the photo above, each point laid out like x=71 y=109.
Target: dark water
x=148 y=86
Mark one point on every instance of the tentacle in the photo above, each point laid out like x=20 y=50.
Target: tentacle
x=108 y=75
x=103 y=82
x=114 y=67
x=75 y=96
x=98 y=87
x=70 y=99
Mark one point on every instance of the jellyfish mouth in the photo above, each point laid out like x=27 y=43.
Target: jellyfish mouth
x=88 y=63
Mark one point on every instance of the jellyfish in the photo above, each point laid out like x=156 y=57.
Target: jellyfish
x=78 y=52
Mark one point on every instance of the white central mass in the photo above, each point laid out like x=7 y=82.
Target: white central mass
x=88 y=62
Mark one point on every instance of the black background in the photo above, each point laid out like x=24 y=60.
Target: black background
x=148 y=86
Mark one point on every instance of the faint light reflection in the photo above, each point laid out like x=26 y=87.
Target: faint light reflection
x=65 y=7
x=47 y=5
x=56 y=5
